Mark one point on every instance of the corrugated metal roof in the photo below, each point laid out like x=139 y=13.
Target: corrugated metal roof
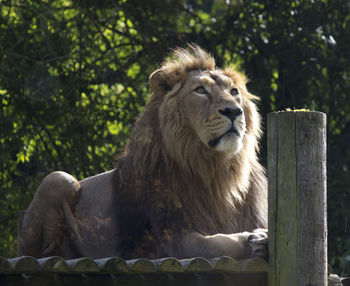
x=55 y=264
x=226 y=271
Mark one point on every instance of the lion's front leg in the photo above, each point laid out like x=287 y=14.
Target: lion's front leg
x=238 y=245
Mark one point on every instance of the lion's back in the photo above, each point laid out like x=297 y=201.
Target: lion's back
x=96 y=216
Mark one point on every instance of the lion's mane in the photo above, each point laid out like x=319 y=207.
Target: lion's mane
x=172 y=182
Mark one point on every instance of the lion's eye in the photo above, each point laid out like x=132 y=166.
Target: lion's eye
x=201 y=89
x=234 y=91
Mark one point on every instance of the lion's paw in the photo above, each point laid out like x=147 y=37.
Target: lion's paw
x=258 y=241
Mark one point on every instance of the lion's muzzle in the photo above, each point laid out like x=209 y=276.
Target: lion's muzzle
x=231 y=113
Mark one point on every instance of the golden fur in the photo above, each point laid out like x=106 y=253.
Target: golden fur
x=211 y=186
x=189 y=183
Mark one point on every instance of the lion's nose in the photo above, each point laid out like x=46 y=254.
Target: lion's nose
x=231 y=113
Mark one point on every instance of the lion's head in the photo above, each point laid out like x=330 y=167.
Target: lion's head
x=203 y=106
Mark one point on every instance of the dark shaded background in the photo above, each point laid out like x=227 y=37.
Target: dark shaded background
x=73 y=77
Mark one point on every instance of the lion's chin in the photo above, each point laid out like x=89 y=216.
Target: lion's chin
x=231 y=143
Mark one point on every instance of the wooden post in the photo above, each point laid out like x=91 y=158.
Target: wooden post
x=297 y=198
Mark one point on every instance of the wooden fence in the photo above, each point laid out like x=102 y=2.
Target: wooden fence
x=297 y=229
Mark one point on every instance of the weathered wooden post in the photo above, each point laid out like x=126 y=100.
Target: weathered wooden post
x=297 y=198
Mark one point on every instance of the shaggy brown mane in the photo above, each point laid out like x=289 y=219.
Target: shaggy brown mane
x=206 y=185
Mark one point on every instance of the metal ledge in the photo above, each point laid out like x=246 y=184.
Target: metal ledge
x=114 y=265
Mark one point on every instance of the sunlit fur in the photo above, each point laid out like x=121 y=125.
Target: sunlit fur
x=215 y=188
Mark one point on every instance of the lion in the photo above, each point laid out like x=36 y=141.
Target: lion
x=188 y=184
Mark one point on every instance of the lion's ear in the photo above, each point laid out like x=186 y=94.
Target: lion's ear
x=159 y=82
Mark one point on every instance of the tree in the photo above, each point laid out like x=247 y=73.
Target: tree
x=73 y=77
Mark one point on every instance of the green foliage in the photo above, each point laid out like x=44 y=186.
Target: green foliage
x=73 y=77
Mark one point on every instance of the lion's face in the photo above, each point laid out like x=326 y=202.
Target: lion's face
x=202 y=110
x=211 y=105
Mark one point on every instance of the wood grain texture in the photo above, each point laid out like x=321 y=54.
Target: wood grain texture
x=286 y=221
x=297 y=198
x=311 y=187
x=272 y=136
